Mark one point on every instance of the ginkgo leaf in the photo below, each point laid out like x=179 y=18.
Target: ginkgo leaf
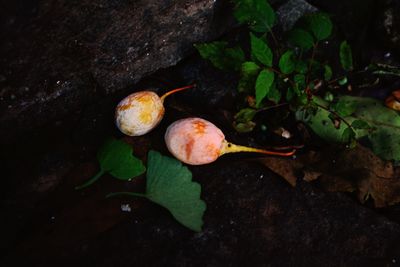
x=170 y=185
x=115 y=157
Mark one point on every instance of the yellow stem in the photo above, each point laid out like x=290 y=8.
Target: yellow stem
x=232 y=148
x=174 y=91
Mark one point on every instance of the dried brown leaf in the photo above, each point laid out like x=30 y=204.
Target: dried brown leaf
x=352 y=170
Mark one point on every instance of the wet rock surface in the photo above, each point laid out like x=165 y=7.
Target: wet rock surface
x=253 y=218
x=59 y=56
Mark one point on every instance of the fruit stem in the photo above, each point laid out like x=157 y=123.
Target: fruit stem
x=232 y=148
x=90 y=181
x=174 y=91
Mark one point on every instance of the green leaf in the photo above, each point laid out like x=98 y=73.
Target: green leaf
x=274 y=94
x=257 y=13
x=263 y=84
x=320 y=25
x=245 y=115
x=300 y=81
x=346 y=58
x=115 y=157
x=244 y=127
x=261 y=51
x=221 y=56
x=360 y=124
x=343 y=81
x=249 y=73
x=301 y=67
x=300 y=38
x=290 y=94
x=383 y=130
x=243 y=120
x=348 y=135
x=327 y=72
x=344 y=108
x=321 y=123
x=287 y=63
x=170 y=185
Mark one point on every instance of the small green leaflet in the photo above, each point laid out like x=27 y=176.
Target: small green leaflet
x=346 y=58
x=344 y=108
x=221 y=56
x=257 y=13
x=274 y=94
x=115 y=157
x=300 y=38
x=300 y=81
x=327 y=72
x=286 y=62
x=320 y=25
x=243 y=120
x=249 y=73
x=245 y=115
x=263 y=84
x=169 y=184
x=261 y=51
x=301 y=67
x=360 y=124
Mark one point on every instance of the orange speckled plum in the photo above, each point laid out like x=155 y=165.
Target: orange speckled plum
x=138 y=113
x=194 y=141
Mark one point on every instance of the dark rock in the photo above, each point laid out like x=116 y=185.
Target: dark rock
x=291 y=11
x=254 y=218
x=59 y=56
x=387 y=25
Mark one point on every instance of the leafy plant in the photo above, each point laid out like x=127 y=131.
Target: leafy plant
x=286 y=73
x=291 y=69
x=169 y=184
x=361 y=117
x=115 y=158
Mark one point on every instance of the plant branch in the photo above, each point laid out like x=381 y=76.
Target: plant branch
x=311 y=61
x=90 y=181
x=336 y=114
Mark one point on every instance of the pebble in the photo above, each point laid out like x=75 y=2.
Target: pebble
x=126 y=208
